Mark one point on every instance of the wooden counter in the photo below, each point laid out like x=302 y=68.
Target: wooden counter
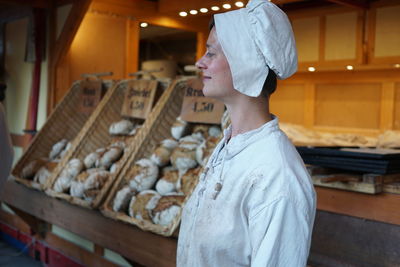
x=142 y=247
x=153 y=250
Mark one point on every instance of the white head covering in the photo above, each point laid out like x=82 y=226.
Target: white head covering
x=255 y=39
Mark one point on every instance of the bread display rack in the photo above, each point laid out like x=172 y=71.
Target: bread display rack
x=64 y=123
x=97 y=136
x=156 y=128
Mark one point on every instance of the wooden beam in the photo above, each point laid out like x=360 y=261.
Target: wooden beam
x=69 y=30
x=61 y=46
x=38 y=226
x=142 y=247
x=360 y=4
x=14 y=221
x=30 y=3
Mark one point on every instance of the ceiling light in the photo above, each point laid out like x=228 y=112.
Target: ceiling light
x=193 y=12
x=183 y=14
x=312 y=69
x=239 y=4
x=226 y=6
x=349 y=67
x=144 y=24
x=203 y=10
x=396 y=65
x=214 y=8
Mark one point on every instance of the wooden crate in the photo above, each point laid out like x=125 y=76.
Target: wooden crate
x=97 y=136
x=63 y=123
x=156 y=128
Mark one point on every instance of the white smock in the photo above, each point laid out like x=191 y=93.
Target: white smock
x=264 y=213
x=6 y=149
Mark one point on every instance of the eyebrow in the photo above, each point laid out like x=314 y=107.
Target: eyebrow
x=209 y=46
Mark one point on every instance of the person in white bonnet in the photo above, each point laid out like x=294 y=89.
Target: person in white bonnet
x=255 y=203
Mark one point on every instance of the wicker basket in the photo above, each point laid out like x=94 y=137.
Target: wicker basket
x=156 y=129
x=63 y=123
x=97 y=136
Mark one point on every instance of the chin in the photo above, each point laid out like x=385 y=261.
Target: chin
x=207 y=91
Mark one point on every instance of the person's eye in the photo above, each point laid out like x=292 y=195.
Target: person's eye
x=209 y=54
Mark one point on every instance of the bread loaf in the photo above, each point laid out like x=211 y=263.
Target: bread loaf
x=143 y=175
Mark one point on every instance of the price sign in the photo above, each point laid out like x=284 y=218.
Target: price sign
x=91 y=94
x=139 y=98
x=198 y=108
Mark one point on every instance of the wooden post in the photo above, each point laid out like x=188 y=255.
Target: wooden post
x=132 y=46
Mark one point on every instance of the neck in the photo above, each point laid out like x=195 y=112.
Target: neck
x=248 y=113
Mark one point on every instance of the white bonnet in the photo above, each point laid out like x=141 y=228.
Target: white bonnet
x=255 y=39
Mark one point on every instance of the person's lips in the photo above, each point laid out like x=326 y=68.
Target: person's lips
x=206 y=77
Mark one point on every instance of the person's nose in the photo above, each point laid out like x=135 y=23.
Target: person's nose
x=200 y=64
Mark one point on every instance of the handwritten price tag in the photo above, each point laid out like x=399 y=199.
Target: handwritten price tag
x=90 y=95
x=139 y=98
x=198 y=108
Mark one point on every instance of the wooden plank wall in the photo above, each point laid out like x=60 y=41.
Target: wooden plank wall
x=361 y=102
x=364 y=100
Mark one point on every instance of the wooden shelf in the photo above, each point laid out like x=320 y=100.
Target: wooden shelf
x=382 y=207
x=134 y=244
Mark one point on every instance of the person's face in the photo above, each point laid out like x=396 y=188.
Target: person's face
x=217 y=77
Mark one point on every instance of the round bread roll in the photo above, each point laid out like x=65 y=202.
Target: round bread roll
x=184 y=156
x=96 y=180
x=167 y=208
x=188 y=181
x=205 y=149
x=73 y=168
x=163 y=152
x=183 y=159
x=29 y=170
x=214 y=131
x=57 y=149
x=122 y=198
x=141 y=205
x=114 y=167
x=201 y=129
x=91 y=159
x=65 y=150
x=179 y=128
x=134 y=130
x=167 y=183
x=77 y=188
x=112 y=154
x=118 y=143
x=44 y=173
x=143 y=175
x=62 y=184
x=123 y=127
